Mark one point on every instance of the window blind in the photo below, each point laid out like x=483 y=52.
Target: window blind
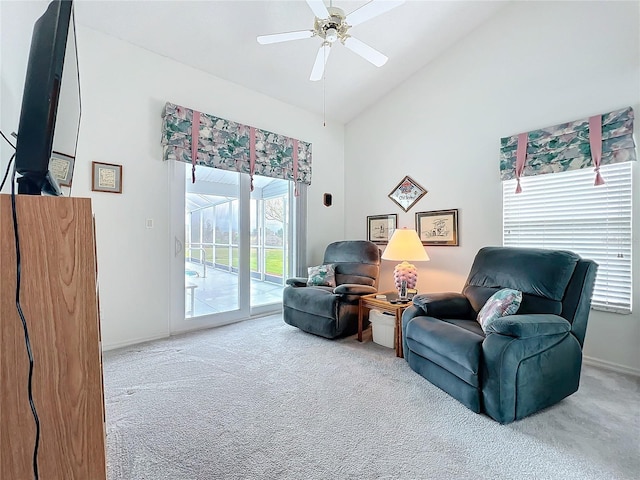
x=566 y=211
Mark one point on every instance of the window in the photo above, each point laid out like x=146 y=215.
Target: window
x=565 y=211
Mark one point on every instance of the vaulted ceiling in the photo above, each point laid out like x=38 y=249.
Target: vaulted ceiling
x=219 y=37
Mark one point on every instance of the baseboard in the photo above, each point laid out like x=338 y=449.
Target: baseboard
x=615 y=367
x=128 y=343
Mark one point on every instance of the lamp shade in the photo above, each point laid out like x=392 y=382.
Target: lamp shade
x=405 y=245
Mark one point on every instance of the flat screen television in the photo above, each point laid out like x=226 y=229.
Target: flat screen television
x=50 y=113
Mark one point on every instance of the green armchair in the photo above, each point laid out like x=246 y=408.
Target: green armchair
x=522 y=363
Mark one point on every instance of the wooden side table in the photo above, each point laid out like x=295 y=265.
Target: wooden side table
x=370 y=301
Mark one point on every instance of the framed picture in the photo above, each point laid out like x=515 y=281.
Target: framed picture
x=106 y=177
x=61 y=167
x=381 y=227
x=438 y=227
x=407 y=193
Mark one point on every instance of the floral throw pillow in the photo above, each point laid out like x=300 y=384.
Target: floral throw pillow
x=503 y=302
x=321 y=275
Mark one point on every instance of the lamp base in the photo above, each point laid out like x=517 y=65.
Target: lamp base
x=407 y=273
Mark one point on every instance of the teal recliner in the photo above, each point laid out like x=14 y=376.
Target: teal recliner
x=332 y=311
x=524 y=362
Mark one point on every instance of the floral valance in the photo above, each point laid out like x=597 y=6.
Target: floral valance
x=569 y=146
x=232 y=146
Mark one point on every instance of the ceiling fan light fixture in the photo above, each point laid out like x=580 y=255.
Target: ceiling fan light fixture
x=331 y=35
x=332 y=25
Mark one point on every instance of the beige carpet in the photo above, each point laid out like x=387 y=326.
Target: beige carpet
x=263 y=400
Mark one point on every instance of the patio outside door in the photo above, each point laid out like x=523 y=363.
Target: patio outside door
x=232 y=247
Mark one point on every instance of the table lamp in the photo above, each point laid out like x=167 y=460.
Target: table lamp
x=405 y=246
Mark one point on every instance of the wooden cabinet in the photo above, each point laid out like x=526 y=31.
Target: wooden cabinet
x=59 y=299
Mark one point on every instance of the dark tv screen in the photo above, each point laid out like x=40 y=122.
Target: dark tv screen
x=50 y=113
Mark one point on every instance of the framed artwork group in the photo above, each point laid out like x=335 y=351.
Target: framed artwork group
x=105 y=177
x=439 y=227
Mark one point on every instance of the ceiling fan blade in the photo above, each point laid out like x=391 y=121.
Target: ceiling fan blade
x=284 y=37
x=321 y=59
x=319 y=8
x=370 y=10
x=365 y=51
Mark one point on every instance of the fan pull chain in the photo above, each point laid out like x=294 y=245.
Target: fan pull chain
x=324 y=101
x=324 y=91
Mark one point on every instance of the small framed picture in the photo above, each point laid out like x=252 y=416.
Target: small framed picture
x=106 y=177
x=381 y=227
x=407 y=193
x=439 y=227
x=61 y=167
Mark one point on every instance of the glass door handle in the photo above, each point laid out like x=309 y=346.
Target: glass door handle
x=177 y=246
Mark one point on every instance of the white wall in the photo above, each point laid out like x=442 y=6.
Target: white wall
x=535 y=64
x=123 y=91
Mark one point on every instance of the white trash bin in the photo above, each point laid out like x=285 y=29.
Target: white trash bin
x=383 y=326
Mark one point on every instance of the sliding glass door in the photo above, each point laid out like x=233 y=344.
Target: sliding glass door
x=211 y=248
x=270 y=244
x=233 y=247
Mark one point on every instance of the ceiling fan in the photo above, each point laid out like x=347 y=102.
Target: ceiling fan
x=332 y=25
